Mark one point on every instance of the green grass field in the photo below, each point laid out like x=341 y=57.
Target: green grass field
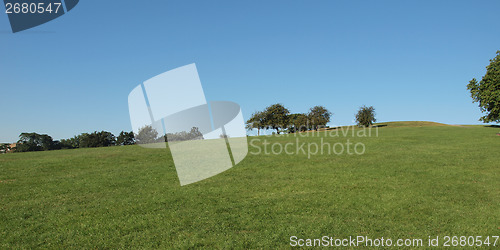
x=415 y=180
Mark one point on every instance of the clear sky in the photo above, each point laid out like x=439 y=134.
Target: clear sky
x=411 y=60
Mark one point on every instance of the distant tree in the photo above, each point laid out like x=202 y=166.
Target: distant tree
x=47 y=143
x=85 y=140
x=487 y=91
x=73 y=142
x=365 y=116
x=97 y=139
x=146 y=135
x=291 y=123
x=319 y=116
x=256 y=121
x=298 y=123
x=70 y=143
x=125 y=138
x=56 y=145
x=193 y=134
x=35 y=142
x=28 y=142
x=66 y=143
x=276 y=117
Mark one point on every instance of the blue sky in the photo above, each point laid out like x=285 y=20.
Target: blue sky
x=411 y=60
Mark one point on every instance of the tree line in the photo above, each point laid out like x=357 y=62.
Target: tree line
x=148 y=134
x=279 y=118
x=41 y=142
x=276 y=117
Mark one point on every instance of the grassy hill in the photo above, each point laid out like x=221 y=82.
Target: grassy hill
x=411 y=124
x=413 y=181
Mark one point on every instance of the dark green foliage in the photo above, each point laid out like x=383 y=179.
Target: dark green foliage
x=298 y=123
x=365 y=116
x=276 y=117
x=73 y=142
x=125 y=138
x=97 y=139
x=35 y=142
x=319 y=116
x=487 y=91
x=279 y=118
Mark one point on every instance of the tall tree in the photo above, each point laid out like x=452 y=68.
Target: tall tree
x=319 y=116
x=256 y=121
x=487 y=91
x=276 y=117
x=365 y=116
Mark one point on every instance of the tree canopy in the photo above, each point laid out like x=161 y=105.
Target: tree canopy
x=365 y=116
x=146 y=135
x=319 y=116
x=98 y=139
x=125 y=138
x=256 y=121
x=38 y=142
x=35 y=142
x=298 y=123
x=276 y=117
x=487 y=91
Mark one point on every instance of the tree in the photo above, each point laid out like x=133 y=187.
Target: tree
x=319 y=116
x=487 y=91
x=365 y=116
x=146 y=134
x=256 y=121
x=276 y=117
x=298 y=123
x=193 y=134
x=35 y=142
x=97 y=139
x=73 y=142
x=125 y=138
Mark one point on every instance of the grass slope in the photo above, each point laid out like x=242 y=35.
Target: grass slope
x=412 y=182
x=411 y=124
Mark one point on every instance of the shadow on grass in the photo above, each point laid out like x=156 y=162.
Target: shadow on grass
x=492 y=126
